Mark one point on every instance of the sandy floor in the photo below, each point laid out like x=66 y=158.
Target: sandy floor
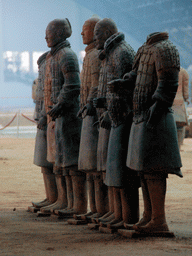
x=23 y=233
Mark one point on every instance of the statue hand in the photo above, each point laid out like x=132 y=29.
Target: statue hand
x=79 y=114
x=90 y=110
x=105 y=121
x=99 y=102
x=87 y=110
x=42 y=123
x=154 y=115
x=55 y=111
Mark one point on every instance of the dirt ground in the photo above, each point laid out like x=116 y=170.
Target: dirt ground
x=23 y=233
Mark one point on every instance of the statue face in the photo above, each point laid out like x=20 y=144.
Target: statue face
x=100 y=36
x=87 y=34
x=51 y=36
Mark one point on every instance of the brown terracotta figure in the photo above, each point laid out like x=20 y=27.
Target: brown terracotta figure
x=153 y=148
x=34 y=92
x=63 y=83
x=40 y=153
x=117 y=58
x=89 y=134
x=179 y=108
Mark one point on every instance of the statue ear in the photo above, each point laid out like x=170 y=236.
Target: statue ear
x=59 y=32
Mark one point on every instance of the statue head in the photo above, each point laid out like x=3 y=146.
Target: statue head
x=88 y=30
x=103 y=30
x=57 y=31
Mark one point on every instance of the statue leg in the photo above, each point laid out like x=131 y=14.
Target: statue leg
x=101 y=190
x=50 y=188
x=117 y=208
x=79 y=192
x=45 y=201
x=91 y=198
x=110 y=214
x=129 y=202
x=79 y=205
x=147 y=206
x=101 y=199
x=180 y=135
x=69 y=191
x=157 y=191
x=183 y=134
x=61 y=202
x=91 y=193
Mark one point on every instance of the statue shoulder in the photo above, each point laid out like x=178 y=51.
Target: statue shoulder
x=93 y=54
x=42 y=58
x=166 y=55
x=68 y=60
x=124 y=53
x=94 y=59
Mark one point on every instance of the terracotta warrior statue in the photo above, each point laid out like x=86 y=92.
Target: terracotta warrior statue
x=117 y=58
x=34 y=92
x=153 y=148
x=89 y=76
x=179 y=108
x=40 y=153
x=62 y=105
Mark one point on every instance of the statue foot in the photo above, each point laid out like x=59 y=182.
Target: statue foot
x=142 y=222
x=46 y=204
x=151 y=227
x=106 y=215
x=38 y=204
x=128 y=226
x=56 y=206
x=56 y=211
x=79 y=216
x=104 y=223
x=118 y=225
x=47 y=207
x=108 y=219
x=114 y=221
x=94 y=215
x=67 y=213
x=94 y=219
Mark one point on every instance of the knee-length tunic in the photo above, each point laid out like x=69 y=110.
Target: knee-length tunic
x=40 y=152
x=88 y=90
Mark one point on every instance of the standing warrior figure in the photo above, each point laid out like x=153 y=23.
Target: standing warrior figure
x=34 y=92
x=117 y=59
x=63 y=88
x=179 y=108
x=40 y=153
x=89 y=134
x=153 y=148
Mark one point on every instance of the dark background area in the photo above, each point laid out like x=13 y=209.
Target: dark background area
x=23 y=24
